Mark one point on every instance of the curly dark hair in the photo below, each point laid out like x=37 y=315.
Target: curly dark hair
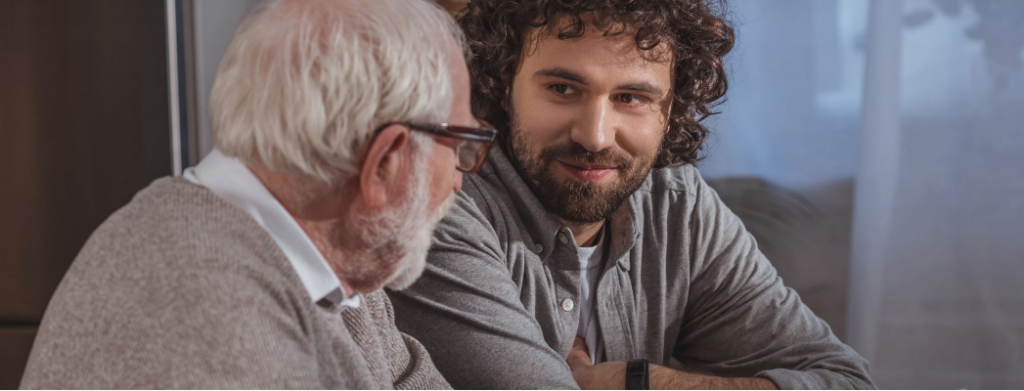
x=695 y=33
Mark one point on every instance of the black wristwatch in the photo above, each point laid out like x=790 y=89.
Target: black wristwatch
x=638 y=375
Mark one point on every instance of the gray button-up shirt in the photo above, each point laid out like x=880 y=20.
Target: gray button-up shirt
x=683 y=280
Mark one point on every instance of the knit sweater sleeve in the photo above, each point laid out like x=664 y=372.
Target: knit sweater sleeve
x=207 y=325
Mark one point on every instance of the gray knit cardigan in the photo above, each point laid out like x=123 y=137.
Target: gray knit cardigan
x=180 y=289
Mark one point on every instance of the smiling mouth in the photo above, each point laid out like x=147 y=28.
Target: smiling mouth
x=593 y=173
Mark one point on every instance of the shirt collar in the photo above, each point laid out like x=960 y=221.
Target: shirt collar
x=230 y=179
x=544 y=226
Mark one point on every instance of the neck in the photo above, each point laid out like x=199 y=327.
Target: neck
x=585 y=234
x=320 y=233
x=317 y=214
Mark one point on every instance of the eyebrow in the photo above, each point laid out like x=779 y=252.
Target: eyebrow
x=643 y=87
x=562 y=73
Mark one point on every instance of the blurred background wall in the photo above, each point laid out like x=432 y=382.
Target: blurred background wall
x=873 y=147
x=901 y=123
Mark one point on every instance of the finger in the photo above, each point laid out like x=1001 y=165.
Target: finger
x=580 y=344
x=578 y=355
x=578 y=359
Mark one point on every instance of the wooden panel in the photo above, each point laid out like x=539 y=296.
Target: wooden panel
x=15 y=344
x=21 y=203
x=83 y=126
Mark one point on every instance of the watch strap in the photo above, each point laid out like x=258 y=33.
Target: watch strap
x=638 y=375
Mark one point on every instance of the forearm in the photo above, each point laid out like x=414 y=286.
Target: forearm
x=663 y=378
x=612 y=376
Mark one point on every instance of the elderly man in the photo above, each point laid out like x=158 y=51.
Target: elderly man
x=589 y=252
x=341 y=128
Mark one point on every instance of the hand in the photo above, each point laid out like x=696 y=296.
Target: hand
x=612 y=375
x=603 y=376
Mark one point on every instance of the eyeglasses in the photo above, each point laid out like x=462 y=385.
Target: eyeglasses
x=472 y=144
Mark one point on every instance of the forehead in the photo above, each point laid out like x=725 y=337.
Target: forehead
x=597 y=56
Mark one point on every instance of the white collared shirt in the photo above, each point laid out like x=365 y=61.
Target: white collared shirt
x=230 y=179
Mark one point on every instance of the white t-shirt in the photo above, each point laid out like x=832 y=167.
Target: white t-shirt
x=591 y=262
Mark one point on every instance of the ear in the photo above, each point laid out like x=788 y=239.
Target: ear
x=668 y=116
x=385 y=160
x=508 y=92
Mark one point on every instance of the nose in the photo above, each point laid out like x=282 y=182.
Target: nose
x=595 y=130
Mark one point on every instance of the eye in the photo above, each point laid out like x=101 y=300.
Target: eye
x=561 y=89
x=631 y=99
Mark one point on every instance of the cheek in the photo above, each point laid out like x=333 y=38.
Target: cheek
x=540 y=121
x=643 y=138
x=442 y=164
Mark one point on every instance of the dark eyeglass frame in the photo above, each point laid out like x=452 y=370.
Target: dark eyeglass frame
x=484 y=136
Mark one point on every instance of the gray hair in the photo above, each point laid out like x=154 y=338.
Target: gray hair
x=305 y=83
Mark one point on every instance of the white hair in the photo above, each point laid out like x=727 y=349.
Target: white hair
x=305 y=83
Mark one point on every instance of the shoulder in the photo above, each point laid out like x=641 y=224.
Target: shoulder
x=175 y=269
x=679 y=202
x=684 y=179
x=177 y=242
x=673 y=189
x=478 y=215
x=175 y=218
x=174 y=237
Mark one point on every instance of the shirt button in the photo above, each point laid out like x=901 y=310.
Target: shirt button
x=562 y=238
x=567 y=305
x=539 y=248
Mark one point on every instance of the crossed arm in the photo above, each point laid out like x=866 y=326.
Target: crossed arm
x=740 y=320
x=611 y=375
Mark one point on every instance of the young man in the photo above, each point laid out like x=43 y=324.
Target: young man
x=338 y=150
x=588 y=243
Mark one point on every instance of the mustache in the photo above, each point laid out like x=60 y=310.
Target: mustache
x=575 y=152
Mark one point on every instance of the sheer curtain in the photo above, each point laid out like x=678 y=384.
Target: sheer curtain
x=902 y=123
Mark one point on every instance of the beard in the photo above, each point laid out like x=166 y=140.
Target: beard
x=411 y=266
x=572 y=200
x=396 y=241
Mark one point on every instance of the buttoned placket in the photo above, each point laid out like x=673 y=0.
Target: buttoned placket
x=563 y=263
x=614 y=302
x=562 y=266
x=614 y=295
